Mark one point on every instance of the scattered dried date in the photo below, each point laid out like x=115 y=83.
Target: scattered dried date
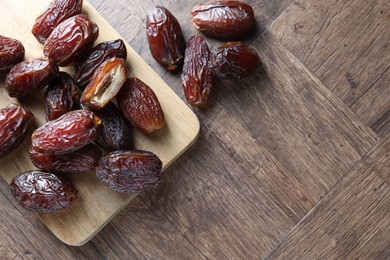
x=85 y=67
x=82 y=160
x=165 y=38
x=41 y=191
x=234 y=60
x=197 y=78
x=11 y=52
x=129 y=171
x=57 y=12
x=61 y=96
x=66 y=134
x=105 y=84
x=14 y=122
x=70 y=39
x=224 y=19
x=28 y=77
x=140 y=105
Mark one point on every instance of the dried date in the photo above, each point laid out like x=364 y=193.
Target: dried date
x=234 y=60
x=28 y=77
x=66 y=134
x=224 y=19
x=197 y=78
x=82 y=160
x=70 y=39
x=129 y=171
x=116 y=133
x=57 y=12
x=165 y=38
x=11 y=52
x=61 y=96
x=43 y=192
x=140 y=105
x=85 y=67
x=14 y=122
x=105 y=83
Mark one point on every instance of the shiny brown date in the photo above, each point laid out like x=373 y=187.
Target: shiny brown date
x=105 y=83
x=197 y=78
x=116 y=131
x=85 y=67
x=28 y=77
x=11 y=52
x=14 y=122
x=70 y=39
x=41 y=191
x=224 y=19
x=57 y=12
x=61 y=96
x=234 y=60
x=66 y=134
x=166 y=42
x=140 y=105
x=129 y=171
x=82 y=160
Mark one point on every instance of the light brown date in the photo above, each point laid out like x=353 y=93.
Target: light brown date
x=224 y=19
x=70 y=39
x=11 y=52
x=140 y=105
x=105 y=84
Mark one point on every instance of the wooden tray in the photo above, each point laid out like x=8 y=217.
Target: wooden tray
x=96 y=204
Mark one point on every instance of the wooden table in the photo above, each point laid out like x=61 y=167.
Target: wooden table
x=293 y=162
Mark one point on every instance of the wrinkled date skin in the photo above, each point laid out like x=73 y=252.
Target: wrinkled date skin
x=85 y=67
x=82 y=160
x=166 y=42
x=57 y=12
x=224 y=19
x=197 y=78
x=61 y=96
x=140 y=105
x=14 y=122
x=105 y=84
x=116 y=133
x=66 y=134
x=234 y=60
x=70 y=39
x=11 y=52
x=129 y=171
x=43 y=192
x=30 y=76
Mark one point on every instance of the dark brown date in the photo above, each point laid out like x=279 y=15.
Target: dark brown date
x=116 y=131
x=234 y=60
x=70 y=39
x=57 y=12
x=129 y=171
x=61 y=96
x=197 y=78
x=82 y=160
x=224 y=19
x=105 y=83
x=140 y=105
x=41 y=191
x=166 y=41
x=66 y=134
x=11 y=52
x=28 y=77
x=14 y=122
x=85 y=67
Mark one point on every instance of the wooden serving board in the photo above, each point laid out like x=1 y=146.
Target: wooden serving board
x=96 y=204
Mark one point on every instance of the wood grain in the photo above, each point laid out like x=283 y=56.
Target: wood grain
x=346 y=45
x=96 y=204
x=352 y=221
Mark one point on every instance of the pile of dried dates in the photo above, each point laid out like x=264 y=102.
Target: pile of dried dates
x=96 y=108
